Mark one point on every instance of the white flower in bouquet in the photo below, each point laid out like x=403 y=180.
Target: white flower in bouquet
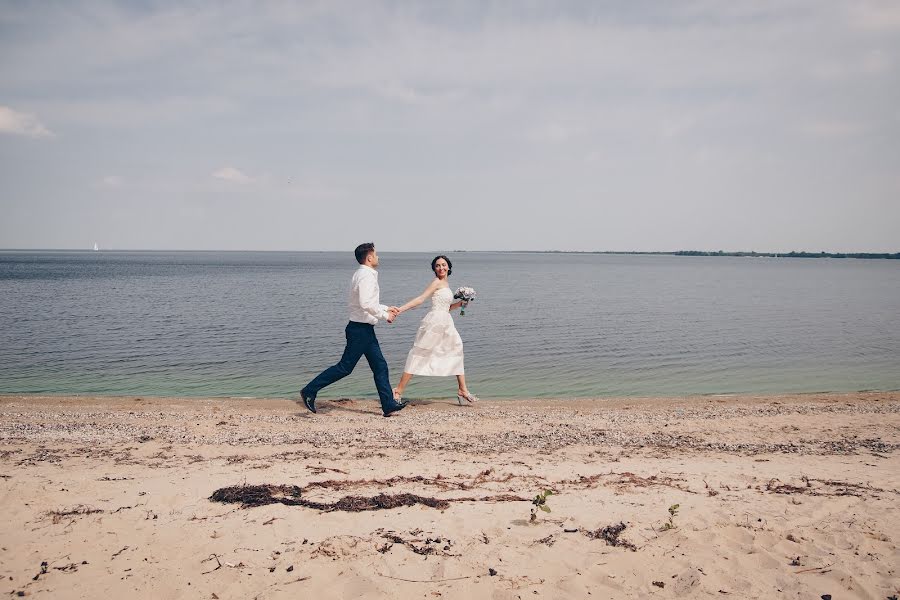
x=466 y=294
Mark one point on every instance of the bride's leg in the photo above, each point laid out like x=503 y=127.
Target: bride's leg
x=404 y=381
x=463 y=392
x=461 y=381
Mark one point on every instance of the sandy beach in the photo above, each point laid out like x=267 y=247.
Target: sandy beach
x=792 y=496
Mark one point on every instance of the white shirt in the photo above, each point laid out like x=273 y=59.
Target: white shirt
x=364 y=305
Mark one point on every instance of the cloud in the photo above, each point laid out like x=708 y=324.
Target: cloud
x=876 y=61
x=128 y=111
x=410 y=95
x=112 y=181
x=834 y=129
x=555 y=133
x=233 y=175
x=884 y=15
x=17 y=123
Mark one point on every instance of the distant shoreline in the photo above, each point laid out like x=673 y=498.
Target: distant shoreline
x=792 y=254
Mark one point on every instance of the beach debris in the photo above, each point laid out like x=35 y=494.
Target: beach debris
x=339 y=546
x=428 y=547
x=43 y=571
x=439 y=481
x=610 y=534
x=549 y=540
x=626 y=478
x=120 y=552
x=659 y=584
x=257 y=495
x=80 y=510
x=819 y=570
x=317 y=470
x=379 y=502
x=492 y=572
x=218 y=562
x=826 y=487
x=291 y=495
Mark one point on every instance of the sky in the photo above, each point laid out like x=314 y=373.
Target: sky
x=520 y=125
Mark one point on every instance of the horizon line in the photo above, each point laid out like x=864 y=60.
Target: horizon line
x=507 y=251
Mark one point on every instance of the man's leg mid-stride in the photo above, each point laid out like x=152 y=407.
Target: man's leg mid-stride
x=357 y=344
x=379 y=368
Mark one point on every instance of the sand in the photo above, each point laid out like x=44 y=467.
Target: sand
x=777 y=497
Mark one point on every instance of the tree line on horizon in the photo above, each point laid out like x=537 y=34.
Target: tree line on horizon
x=792 y=254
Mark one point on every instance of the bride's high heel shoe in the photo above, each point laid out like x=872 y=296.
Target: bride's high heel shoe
x=466 y=398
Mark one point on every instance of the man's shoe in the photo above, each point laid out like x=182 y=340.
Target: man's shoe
x=308 y=402
x=394 y=408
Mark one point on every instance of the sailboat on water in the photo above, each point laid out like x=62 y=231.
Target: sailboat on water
x=96 y=247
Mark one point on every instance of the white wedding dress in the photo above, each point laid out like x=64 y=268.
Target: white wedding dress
x=438 y=349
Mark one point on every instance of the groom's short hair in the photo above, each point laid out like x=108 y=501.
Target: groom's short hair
x=362 y=251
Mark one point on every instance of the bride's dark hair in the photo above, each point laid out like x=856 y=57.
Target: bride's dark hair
x=449 y=264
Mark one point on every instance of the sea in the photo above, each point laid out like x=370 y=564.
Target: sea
x=543 y=325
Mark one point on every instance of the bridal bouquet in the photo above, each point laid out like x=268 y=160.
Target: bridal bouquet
x=466 y=294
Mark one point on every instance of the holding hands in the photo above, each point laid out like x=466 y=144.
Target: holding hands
x=393 y=311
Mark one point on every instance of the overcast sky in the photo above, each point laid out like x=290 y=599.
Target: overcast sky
x=610 y=125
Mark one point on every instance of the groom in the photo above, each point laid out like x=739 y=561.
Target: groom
x=365 y=310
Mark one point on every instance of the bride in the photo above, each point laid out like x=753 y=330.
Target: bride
x=437 y=350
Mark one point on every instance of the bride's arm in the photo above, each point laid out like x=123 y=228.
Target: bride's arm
x=456 y=305
x=421 y=297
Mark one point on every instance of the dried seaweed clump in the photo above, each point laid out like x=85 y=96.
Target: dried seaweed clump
x=258 y=495
x=610 y=534
x=379 y=502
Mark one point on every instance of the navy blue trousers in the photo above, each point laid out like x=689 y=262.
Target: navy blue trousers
x=361 y=341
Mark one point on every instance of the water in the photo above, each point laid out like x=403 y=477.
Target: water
x=544 y=325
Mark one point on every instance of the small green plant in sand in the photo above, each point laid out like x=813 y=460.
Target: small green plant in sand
x=673 y=512
x=540 y=503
